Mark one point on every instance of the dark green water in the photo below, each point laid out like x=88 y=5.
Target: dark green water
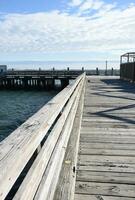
x=17 y=106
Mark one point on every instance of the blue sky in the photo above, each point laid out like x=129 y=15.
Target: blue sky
x=13 y=6
x=66 y=29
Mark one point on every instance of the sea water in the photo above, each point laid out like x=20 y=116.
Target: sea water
x=17 y=106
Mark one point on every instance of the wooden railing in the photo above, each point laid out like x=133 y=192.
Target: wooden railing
x=31 y=157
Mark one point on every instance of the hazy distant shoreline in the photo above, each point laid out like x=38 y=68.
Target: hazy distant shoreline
x=60 y=64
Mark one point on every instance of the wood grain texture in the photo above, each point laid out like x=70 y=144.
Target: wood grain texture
x=106 y=177
x=108 y=189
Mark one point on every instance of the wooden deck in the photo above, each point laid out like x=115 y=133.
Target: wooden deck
x=106 y=159
x=80 y=145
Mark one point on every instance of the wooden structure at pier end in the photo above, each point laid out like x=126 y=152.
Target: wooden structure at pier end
x=127 y=66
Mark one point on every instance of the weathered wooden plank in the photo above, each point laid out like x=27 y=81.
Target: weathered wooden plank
x=115 y=141
x=99 y=197
x=107 y=137
x=89 y=159
x=112 y=167
x=108 y=125
x=108 y=130
x=108 y=152
x=106 y=177
x=93 y=188
x=92 y=114
x=110 y=118
x=92 y=110
x=107 y=133
x=98 y=145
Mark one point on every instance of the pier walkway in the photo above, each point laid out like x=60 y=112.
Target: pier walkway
x=79 y=146
x=106 y=160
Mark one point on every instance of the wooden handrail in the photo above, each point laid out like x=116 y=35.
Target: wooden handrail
x=19 y=147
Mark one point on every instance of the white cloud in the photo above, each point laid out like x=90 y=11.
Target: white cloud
x=112 y=31
x=75 y=2
x=91 y=4
x=98 y=4
x=86 y=5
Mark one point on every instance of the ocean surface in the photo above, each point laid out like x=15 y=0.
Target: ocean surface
x=17 y=106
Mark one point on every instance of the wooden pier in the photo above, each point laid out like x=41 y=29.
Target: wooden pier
x=81 y=146
x=44 y=79
x=37 y=79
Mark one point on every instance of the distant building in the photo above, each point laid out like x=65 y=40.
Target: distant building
x=3 y=68
x=127 y=66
